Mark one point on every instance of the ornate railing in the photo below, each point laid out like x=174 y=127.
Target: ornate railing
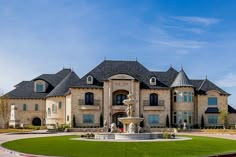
x=160 y=103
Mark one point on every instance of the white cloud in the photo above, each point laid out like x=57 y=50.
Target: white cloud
x=189 y=44
x=197 y=20
x=228 y=81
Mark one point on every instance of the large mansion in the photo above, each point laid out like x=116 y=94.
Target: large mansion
x=64 y=98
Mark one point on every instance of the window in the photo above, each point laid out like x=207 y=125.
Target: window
x=190 y=97
x=54 y=108
x=153 y=119
x=89 y=100
x=60 y=105
x=179 y=97
x=212 y=101
x=175 y=96
x=49 y=112
x=153 y=81
x=88 y=118
x=185 y=117
x=24 y=107
x=68 y=118
x=153 y=99
x=39 y=87
x=120 y=98
x=179 y=120
x=213 y=119
x=185 y=96
x=89 y=79
x=36 y=107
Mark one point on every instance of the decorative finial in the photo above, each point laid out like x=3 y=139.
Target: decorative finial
x=170 y=65
x=136 y=59
x=206 y=77
x=105 y=58
x=181 y=67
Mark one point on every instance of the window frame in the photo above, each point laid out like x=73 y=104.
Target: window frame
x=212 y=119
x=88 y=119
x=24 y=107
x=120 y=98
x=215 y=103
x=60 y=105
x=36 y=107
x=89 y=98
x=153 y=99
x=153 y=119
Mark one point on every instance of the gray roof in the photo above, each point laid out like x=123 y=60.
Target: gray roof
x=25 y=89
x=60 y=82
x=182 y=80
x=63 y=87
x=231 y=109
x=109 y=68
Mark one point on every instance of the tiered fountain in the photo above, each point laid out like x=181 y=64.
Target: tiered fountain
x=131 y=126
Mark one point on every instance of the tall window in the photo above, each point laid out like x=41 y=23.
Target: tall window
x=185 y=96
x=190 y=97
x=153 y=99
x=153 y=119
x=36 y=107
x=60 y=105
x=213 y=119
x=175 y=118
x=212 y=101
x=175 y=96
x=180 y=97
x=39 y=87
x=88 y=118
x=89 y=98
x=120 y=98
x=49 y=112
x=24 y=107
x=54 y=108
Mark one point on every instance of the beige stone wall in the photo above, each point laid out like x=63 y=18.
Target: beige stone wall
x=59 y=115
x=202 y=105
x=162 y=111
x=78 y=110
x=26 y=117
x=232 y=119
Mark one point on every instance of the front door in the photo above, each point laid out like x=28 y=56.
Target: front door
x=115 y=119
x=36 y=121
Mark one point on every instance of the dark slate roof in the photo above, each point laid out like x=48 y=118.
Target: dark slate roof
x=231 y=109
x=182 y=80
x=208 y=85
x=63 y=87
x=109 y=68
x=167 y=77
x=212 y=110
x=54 y=79
x=25 y=89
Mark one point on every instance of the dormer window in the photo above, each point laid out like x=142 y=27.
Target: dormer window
x=89 y=79
x=39 y=86
x=153 y=81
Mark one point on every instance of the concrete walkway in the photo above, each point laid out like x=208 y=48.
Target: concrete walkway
x=10 y=137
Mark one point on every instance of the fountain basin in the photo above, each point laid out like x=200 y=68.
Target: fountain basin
x=128 y=136
x=128 y=120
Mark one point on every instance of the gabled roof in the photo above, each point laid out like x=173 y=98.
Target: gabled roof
x=25 y=89
x=182 y=80
x=208 y=85
x=109 y=68
x=63 y=87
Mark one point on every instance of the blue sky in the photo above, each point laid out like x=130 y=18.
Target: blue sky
x=43 y=36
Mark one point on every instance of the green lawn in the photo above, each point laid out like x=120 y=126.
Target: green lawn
x=63 y=146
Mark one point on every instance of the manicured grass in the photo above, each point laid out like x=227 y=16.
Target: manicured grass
x=63 y=146
x=14 y=130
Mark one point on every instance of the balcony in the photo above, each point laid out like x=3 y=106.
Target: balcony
x=82 y=105
x=159 y=107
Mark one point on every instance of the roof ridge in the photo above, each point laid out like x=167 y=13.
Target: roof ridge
x=203 y=82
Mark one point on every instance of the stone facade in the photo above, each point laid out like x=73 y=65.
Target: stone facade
x=97 y=98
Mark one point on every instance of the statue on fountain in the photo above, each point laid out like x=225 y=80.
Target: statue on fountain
x=130 y=108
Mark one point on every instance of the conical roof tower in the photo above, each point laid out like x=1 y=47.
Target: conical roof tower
x=181 y=80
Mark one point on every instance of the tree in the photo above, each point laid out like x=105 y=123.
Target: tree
x=202 y=122
x=4 y=110
x=224 y=118
x=101 y=120
x=167 y=121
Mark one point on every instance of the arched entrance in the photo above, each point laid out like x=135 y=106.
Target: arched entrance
x=36 y=121
x=115 y=118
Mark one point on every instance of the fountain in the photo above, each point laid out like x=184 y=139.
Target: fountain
x=130 y=123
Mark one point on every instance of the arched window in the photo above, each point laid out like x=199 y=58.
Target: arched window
x=24 y=107
x=153 y=81
x=89 y=98
x=90 y=79
x=60 y=105
x=36 y=107
x=153 y=99
x=120 y=98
